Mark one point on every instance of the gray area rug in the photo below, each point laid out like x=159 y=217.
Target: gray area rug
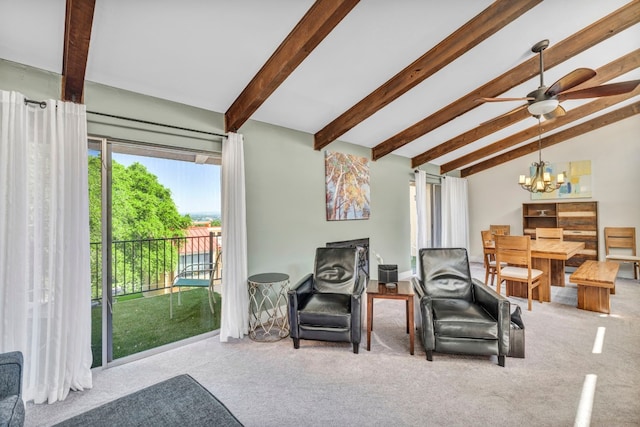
x=178 y=401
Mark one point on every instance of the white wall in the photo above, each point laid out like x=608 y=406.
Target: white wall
x=614 y=151
x=286 y=215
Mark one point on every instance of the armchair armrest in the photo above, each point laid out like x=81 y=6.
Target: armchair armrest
x=300 y=292
x=11 y=374
x=417 y=286
x=498 y=307
x=295 y=296
x=425 y=323
x=489 y=299
x=425 y=303
x=360 y=286
x=356 y=310
x=304 y=286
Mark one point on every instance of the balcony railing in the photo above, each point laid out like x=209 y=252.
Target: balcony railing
x=151 y=264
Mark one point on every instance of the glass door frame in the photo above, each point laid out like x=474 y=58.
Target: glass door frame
x=105 y=146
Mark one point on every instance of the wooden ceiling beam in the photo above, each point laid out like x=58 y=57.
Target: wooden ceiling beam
x=77 y=35
x=595 y=33
x=488 y=22
x=586 y=127
x=615 y=68
x=314 y=26
x=470 y=136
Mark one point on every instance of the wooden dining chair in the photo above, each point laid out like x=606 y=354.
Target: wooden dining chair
x=549 y=233
x=623 y=242
x=504 y=230
x=515 y=252
x=553 y=234
x=488 y=247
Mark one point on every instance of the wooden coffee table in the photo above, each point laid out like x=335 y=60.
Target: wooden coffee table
x=403 y=291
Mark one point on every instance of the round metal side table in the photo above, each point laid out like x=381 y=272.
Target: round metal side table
x=268 y=319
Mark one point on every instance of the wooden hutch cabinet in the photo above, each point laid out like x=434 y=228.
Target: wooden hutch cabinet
x=579 y=221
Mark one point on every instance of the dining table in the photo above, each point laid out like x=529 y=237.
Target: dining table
x=542 y=252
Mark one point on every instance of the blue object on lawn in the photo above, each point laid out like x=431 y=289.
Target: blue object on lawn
x=185 y=279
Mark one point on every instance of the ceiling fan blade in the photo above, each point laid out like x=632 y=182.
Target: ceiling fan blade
x=603 y=90
x=572 y=79
x=559 y=111
x=528 y=98
x=508 y=113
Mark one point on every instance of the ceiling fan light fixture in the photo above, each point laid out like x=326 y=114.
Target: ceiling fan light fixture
x=540 y=181
x=545 y=106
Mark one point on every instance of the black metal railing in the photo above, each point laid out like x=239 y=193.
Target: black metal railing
x=151 y=264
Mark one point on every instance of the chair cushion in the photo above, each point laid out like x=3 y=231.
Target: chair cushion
x=326 y=310
x=200 y=283
x=493 y=263
x=462 y=319
x=520 y=273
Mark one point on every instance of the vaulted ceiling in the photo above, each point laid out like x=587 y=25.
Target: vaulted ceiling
x=401 y=77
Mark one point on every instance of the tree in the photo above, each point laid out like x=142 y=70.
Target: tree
x=142 y=207
x=146 y=224
x=347 y=180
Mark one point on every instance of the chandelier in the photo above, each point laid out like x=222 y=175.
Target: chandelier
x=540 y=181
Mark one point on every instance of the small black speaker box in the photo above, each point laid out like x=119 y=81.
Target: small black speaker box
x=387 y=273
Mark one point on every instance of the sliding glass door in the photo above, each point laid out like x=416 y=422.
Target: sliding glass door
x=154 y=212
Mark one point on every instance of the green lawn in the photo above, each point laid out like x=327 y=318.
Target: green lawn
x=143 y=323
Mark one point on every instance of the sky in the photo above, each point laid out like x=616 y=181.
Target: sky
x=195 y=188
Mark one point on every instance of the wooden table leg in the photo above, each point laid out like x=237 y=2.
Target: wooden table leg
x=516 y=289
x=557 y=272
x=406 y=310
x=594 y=298
x=543 y=264
x=410 y=324
x=369 y=320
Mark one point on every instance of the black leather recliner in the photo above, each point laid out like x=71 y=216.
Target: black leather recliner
x=326 y=305
x=459 y=314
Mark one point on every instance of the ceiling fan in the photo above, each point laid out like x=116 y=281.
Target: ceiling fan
x=545 y=101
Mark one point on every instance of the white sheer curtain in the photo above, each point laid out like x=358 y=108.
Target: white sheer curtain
x=455 y=213
x=422 y=231
x=235 y=294
x=45 y=299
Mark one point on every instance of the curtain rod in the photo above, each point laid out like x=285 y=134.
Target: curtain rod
x=42 y=104
x=433 y=175
x=156 y=123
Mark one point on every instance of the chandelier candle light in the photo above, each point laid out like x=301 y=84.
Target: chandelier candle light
x=540 y=181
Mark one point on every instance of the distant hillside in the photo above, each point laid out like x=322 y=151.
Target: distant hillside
x=200 y=217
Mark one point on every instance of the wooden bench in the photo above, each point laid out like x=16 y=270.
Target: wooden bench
x=595 y=280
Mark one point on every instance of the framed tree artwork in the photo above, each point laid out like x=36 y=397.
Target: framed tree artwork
x=347 y=186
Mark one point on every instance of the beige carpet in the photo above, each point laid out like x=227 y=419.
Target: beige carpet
x=271 y=384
